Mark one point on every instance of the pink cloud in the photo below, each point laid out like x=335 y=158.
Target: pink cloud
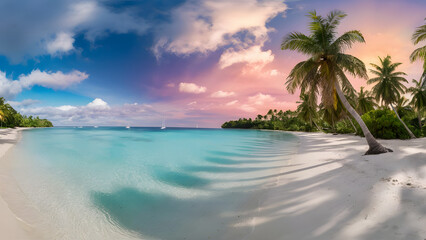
x=191 y=88
x=222 y=94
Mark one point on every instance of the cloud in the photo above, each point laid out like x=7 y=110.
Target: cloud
x=231 y=103
x=50 y=27
x=23 y=103
x=55 y=80
x=222 y=94
x=191 y=88
x=62 y=43
x=274 y=72
x=98 y=104
x=261 y=99
x=205 y=26
x=97 y=112
x=67 y=108
x=248 y=108
x=192 y=103
x=253 y=56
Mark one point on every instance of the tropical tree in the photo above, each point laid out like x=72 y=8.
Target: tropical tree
x=324 y=71
x=307 y=110
x=364 y=102
x=389 y=85
x=2 y=117
x=418 y=99
x=420 y=53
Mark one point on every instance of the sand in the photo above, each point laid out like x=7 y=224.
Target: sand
x=329 y=190
x=11 y=227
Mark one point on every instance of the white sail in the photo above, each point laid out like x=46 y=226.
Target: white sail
x=163 y=125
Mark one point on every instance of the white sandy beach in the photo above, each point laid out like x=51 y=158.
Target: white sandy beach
x=329 y=190
x=10 y=226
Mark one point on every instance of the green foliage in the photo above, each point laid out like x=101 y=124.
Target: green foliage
x=274 y=120
x=384 y=124
x=388 y=82
x=327 y=62
x=9 y=117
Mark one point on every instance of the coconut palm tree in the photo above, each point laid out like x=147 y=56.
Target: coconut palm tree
x=307 y=110
x=365 y=102
x=2 y=118
x=419 y=99
x=420 y=53
x=389 y=85
x=324 y=71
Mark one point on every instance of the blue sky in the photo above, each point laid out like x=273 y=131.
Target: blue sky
x=101 y=62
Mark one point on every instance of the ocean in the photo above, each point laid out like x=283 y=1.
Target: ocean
x=143 y=183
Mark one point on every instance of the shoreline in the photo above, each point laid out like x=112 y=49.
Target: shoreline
x=330 y=190
x=11 y=226
x=326 y=190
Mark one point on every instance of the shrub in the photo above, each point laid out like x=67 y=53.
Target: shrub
x=384 y=124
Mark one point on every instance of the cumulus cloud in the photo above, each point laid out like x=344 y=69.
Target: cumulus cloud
x=261 y=99
x=222 y=94
x=94 y=113
x=98 y=104
x=206 y=25
x=253 y=56
x=55 y=80
x=62 y=43
x=50 y=27
x=191 y=88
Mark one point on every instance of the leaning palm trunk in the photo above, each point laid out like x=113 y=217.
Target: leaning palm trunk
x=374 y=146
x=319 y=128
x=408 y=130
x=353 y=125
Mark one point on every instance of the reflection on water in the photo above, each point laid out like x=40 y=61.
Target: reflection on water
x=142 y=183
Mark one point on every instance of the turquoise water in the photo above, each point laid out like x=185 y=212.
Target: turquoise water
x=146 y=183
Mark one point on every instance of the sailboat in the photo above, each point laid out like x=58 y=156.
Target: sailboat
x=127 y=127
x=163 y=125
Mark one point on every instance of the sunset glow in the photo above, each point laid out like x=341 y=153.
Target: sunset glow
x=190 y=62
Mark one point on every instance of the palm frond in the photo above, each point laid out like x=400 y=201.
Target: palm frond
x=419 y=35
x=348 y=39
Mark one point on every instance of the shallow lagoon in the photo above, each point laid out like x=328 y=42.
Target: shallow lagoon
x=144 y=183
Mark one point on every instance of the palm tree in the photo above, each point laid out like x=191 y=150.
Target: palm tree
x=2 y=117
x=420 y=53
x=365 y=102
x=419 y=99
x=402 y=106
x=389 y=87
x=307 y=110
x=324 y=71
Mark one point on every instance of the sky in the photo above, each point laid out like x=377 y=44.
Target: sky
x=203 y=62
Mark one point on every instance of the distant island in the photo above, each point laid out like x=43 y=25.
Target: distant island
x=10 y=118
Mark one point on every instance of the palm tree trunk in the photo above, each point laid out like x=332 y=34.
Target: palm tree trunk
x=408 y=130
x=420 y=121
x=374 y=146
x=353 y=125
x=317 y=126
